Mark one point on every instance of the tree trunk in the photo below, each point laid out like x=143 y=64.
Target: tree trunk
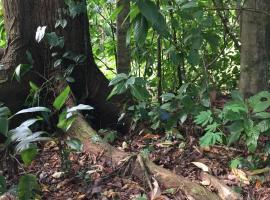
x=21 y=21
x=122 y=26
x=255 y=47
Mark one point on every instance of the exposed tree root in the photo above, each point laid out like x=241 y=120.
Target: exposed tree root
x=166 y=178
x=225 y=192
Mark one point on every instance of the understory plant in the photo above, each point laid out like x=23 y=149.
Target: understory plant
x=240 y=120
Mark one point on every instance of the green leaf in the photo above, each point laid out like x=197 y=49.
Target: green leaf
x=32 y=110
x=233 y=138
x=263 y=125
x=190 y=4
x=57 y=63
x=4 y=124
x=151 y=12
x=116 y=12
x=118 y=78
x=167 y=97
x=65 y=123
x=140 y=93
x=236 y=95
x=194 y=57
x=262 y=115
x=4 y=111
x=28 y=155
x=76 y=7
x=61 y=99
x=140 y=30
x=61 y=22
x=75 y=144
x=110 y=137
x=210 y=139
x=260 y=102
x=204 y=118
x=21 y=70
x=120 y=88
x=28 y=187
x=54 y=40
x=3 y=185
x=79 y=107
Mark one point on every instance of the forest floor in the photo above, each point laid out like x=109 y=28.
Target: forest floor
x=86 y=176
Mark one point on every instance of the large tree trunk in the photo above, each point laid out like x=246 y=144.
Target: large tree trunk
x=122 y=26
x=255 y=58
x=21 y=21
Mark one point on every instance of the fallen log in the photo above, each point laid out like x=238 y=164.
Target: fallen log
x=81 y=130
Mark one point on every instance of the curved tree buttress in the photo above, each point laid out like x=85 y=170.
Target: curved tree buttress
x=22 y=18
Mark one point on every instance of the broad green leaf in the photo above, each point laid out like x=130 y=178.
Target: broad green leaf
x=236 y=126
x=118 y=78
x=29 y=122
x=80 y=107
x=76 y=7
x=236 y=95
x=233 y=138
x=140 y=29
x=263 y=125
x=54 y=40
x=167 y=97
x=32 y=110
x=4 y=124
x=190 y=4
x=262 y=115
x=151 y=12
x=4 y=111
x=210 y=139
x=65 y=123
x=75 y=144
x=21 y=70
x=194 y=57
x=28 y=155
x=28 y=187
x=3 y=185
x=260 y=102
x=61 y=99
x=204 y=118
x=61 y=22
x=139 y=92
x=119 y=88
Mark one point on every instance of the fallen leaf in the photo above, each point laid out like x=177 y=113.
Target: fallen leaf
x=156 y=192
x=57 y=175
x=241 y=176
x=151 y=136
x=202 y=166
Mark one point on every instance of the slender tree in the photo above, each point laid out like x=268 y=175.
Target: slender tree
x=255 y=58
x=122 y=26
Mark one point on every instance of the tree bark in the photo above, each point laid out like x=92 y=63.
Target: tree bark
x=255 y=47
x=21 y=21
x=122 y=26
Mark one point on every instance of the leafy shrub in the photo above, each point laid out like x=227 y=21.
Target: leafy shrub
x=240 y=119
